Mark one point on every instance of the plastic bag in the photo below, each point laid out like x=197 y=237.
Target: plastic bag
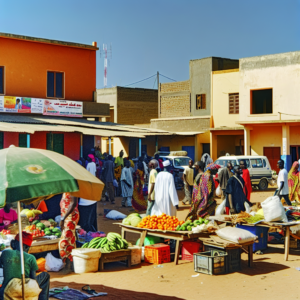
x=218 y=191
x=236 y=235
x=53 y=264
x=41 y=264
x=247 y=207
x=115 y=215
x=220 y=210
x=273 y=210
x=115 y=183
x=13 y=290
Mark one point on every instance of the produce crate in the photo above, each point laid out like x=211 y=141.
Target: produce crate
x=157 y=254
x=262 y=234
x=189 y=248
x=207 y=263
x=233 y=259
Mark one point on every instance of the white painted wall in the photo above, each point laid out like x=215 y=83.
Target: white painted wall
x=109 y=95
x=224 y=84
x=285 y=81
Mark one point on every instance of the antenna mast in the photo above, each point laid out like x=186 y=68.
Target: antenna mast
x=105 y=54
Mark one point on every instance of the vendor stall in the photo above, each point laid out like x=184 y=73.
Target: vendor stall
x=179 y=236
x=286 y=227
x=43 y=245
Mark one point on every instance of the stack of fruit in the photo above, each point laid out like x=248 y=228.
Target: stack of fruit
x=188 y=225
x=31 y=214
x=162 y=222
x=5 y=232
x=39 y=229
x=112 y=242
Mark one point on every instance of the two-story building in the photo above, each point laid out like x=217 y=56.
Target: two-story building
x=40 y=78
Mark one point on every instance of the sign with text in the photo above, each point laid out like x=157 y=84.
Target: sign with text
x=63 y=108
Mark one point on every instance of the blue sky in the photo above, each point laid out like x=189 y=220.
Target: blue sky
x=150 y=36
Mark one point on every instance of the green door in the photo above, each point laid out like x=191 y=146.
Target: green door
x=23 y=140
x=55 y=142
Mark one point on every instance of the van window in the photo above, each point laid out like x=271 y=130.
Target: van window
x=265 y=163
x=256 y=162
x=223 y=162
x=247 y=162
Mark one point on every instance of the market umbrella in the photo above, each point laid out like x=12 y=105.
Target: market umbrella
x=29 y=174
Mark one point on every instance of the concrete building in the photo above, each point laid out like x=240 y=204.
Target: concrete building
x=41 y=77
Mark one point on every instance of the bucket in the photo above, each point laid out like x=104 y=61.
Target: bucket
x=85 y=260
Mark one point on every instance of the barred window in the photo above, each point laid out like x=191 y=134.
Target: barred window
x=234 y=103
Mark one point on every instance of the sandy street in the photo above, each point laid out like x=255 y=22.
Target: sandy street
x=270 y=278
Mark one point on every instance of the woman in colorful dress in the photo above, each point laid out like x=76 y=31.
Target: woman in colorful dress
x=68 y=223
x=203 y=201
x=294 y=182
x=138 y=200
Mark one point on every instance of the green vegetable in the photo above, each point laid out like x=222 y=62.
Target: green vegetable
x=189 y=228
x=201 y=221
x=35 y=222
x=126 y=221
x=135 y=220
x=206 y=222
x=254 y=219
x=55 y=230
x=178 y=228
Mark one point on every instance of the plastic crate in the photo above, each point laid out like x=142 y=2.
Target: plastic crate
x=262 y=234
x=233 y=259
x=207 y=263
x=157 y=254
x=189 y=248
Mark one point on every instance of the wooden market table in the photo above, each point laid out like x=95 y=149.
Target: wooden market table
x=179 y=236
x=285 y=226
x=42 y=245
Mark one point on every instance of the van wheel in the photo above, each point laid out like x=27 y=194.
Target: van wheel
x=263 y=184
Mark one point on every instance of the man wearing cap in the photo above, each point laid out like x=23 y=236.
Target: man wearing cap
x=10 y=261
x=166 y=198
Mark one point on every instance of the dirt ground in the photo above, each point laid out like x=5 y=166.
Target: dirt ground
x=270 y=277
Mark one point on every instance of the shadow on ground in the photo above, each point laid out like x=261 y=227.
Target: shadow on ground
x=113 y=293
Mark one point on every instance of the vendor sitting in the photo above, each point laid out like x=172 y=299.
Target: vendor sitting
x=11 y=263
x=7 y=216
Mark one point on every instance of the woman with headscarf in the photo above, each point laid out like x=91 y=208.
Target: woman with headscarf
x=138 y=201
x=294 y=182
x=203 y=201
x=206 y=159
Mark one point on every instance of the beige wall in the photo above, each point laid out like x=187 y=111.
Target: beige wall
x=224 y=83
x=175 y=99
x=281 y=72
x=108 y=95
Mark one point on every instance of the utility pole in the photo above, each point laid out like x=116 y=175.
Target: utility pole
x=158 y=94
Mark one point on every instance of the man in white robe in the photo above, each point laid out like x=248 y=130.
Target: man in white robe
x=166 y=198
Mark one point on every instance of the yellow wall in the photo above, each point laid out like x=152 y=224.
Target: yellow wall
x=224 y=83
x=227 y=144
x=294 y=135
x=265 y=136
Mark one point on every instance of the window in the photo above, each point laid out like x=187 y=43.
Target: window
x=256 y=163
x=223 y=162
x=23 y=140
x=1 y=80
x=246 y=161
x=182 y=161
x=234 y=104
x=261 y=101
x=201 y=101
x=55 y=85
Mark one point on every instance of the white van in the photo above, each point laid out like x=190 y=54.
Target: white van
x=258 y=166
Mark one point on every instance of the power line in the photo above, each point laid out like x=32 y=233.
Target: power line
x=167 y=77
x=141 y=80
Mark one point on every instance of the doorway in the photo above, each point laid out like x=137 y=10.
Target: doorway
x=206 y=148
x=273 y=154
x=190 y=151
x=295 y=153
x=87 y=144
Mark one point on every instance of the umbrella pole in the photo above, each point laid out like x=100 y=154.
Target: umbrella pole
x=21 y=250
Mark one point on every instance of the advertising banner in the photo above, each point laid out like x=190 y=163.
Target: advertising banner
x=63 y=108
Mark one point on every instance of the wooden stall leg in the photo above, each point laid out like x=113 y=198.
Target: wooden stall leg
x=142 y=238
x=101 y=265
x=250 y=256
x=177 y=252
x=123 y=233
x=287 y=243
